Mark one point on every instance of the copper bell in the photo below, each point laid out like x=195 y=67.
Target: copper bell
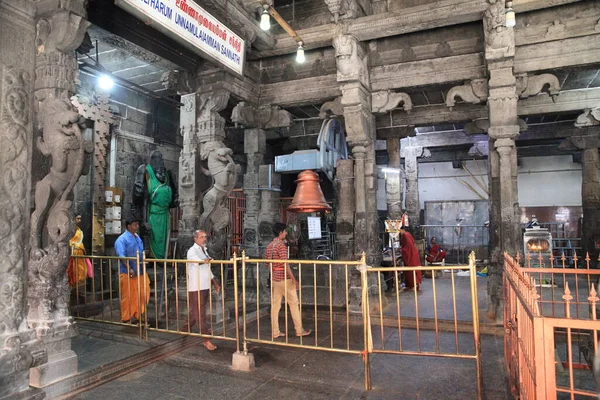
x=308 y=197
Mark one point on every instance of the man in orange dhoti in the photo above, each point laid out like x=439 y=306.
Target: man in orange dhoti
x=133 y=282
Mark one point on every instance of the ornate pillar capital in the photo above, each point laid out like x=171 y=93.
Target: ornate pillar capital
x=263 y=117
x=352 y=60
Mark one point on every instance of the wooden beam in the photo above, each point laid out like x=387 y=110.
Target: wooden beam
x=542 y=132
x=558 y=54
x=300 y=91
x=402 y=21
x=428 y=72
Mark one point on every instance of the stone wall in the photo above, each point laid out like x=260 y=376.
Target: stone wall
x=143 y=125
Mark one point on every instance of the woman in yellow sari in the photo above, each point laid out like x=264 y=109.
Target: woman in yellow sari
x=77 y=269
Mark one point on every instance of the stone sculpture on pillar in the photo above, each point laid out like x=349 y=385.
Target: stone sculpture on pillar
x=499 y=40
x=222 y=169
x=19 y=347
x=154 y=193
x=203 y=131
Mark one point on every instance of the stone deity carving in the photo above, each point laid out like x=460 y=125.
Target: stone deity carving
x=351 y=60
x=498 y=38
x=154 y=193
x=224 y=171
x=52 y=219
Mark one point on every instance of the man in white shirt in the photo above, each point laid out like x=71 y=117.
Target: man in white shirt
x=199 y=278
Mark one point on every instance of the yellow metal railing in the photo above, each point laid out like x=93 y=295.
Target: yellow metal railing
x=344 y=300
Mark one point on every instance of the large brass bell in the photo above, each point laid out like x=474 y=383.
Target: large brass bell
x=308 y=197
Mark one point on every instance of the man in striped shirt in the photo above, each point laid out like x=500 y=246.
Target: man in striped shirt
x=284 y=283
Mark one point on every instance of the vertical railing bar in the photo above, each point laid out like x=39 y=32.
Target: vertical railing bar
x=330 y=306
x=165 y=295
x=300 y=294
x=417 y=310
x=223 y=284
x=176 y=298
x=235 y=303
x=244 y=297
x=146 y=296
x=210 y=303
x=380 y=310
x=285 y=302
x=187 y=294
x=258 y=296
x=435 y=312
x=454 y=308
x=347 y=309
x=110 y=264
x=139 y=293
x=100 y=261
x=315 y=301
x=155 y=297
x=398 y=308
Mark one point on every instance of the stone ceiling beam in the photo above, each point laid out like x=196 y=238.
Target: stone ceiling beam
x=428 y=72
x=410 y=19
x=459 y=138
x=301 y=91
x=558 y=54
x=567 y=101
x=242 y=88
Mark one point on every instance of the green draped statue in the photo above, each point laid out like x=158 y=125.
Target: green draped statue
x=154 y=194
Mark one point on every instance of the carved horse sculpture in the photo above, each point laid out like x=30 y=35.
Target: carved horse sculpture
x=224 y=173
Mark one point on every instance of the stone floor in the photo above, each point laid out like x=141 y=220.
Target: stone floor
x=284 y=372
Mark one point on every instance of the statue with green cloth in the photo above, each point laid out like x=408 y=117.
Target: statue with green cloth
x=154 y=194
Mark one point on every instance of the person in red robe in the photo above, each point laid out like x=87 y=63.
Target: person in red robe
x=435 y=252
x=411 y=258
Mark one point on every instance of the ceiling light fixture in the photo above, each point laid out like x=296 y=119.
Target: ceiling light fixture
x=300 y=53
x=300 y=58
x=105 y=82
x=265 y=20
x=510 y=15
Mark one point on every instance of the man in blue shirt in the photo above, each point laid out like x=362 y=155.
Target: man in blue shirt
x=131 y=276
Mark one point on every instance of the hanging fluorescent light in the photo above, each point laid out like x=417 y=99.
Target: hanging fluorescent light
x=391 y=170
x=105 y=82
x=510 y=15
x=265 y=20
x=300 y=53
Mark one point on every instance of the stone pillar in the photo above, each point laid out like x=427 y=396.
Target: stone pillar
x=255 y=143
x=203 y=206
x=344 y=179
x=503 y=129
x=20 y=349
x=269 y=208
x=353 y=75
x=393 y=181
x=411 y=168
x=589 y=143
x=60 y=30
x=262 y=210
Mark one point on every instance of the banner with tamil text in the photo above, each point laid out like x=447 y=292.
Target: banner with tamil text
x=188 y=23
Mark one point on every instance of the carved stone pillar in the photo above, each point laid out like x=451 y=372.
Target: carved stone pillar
x=262 y=201
x=254 y=147
x=20 y=349
x=503 y=129
x=353 y=74
x=56 y=167
x=411 y=168
x=393 y=181
x=203 y=132
x=589 y=143
x=97 y=109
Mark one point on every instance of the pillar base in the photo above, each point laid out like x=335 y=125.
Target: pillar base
x=58 y=367
x=243 y=362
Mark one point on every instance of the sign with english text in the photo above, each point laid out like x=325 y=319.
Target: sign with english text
x=188 y=23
